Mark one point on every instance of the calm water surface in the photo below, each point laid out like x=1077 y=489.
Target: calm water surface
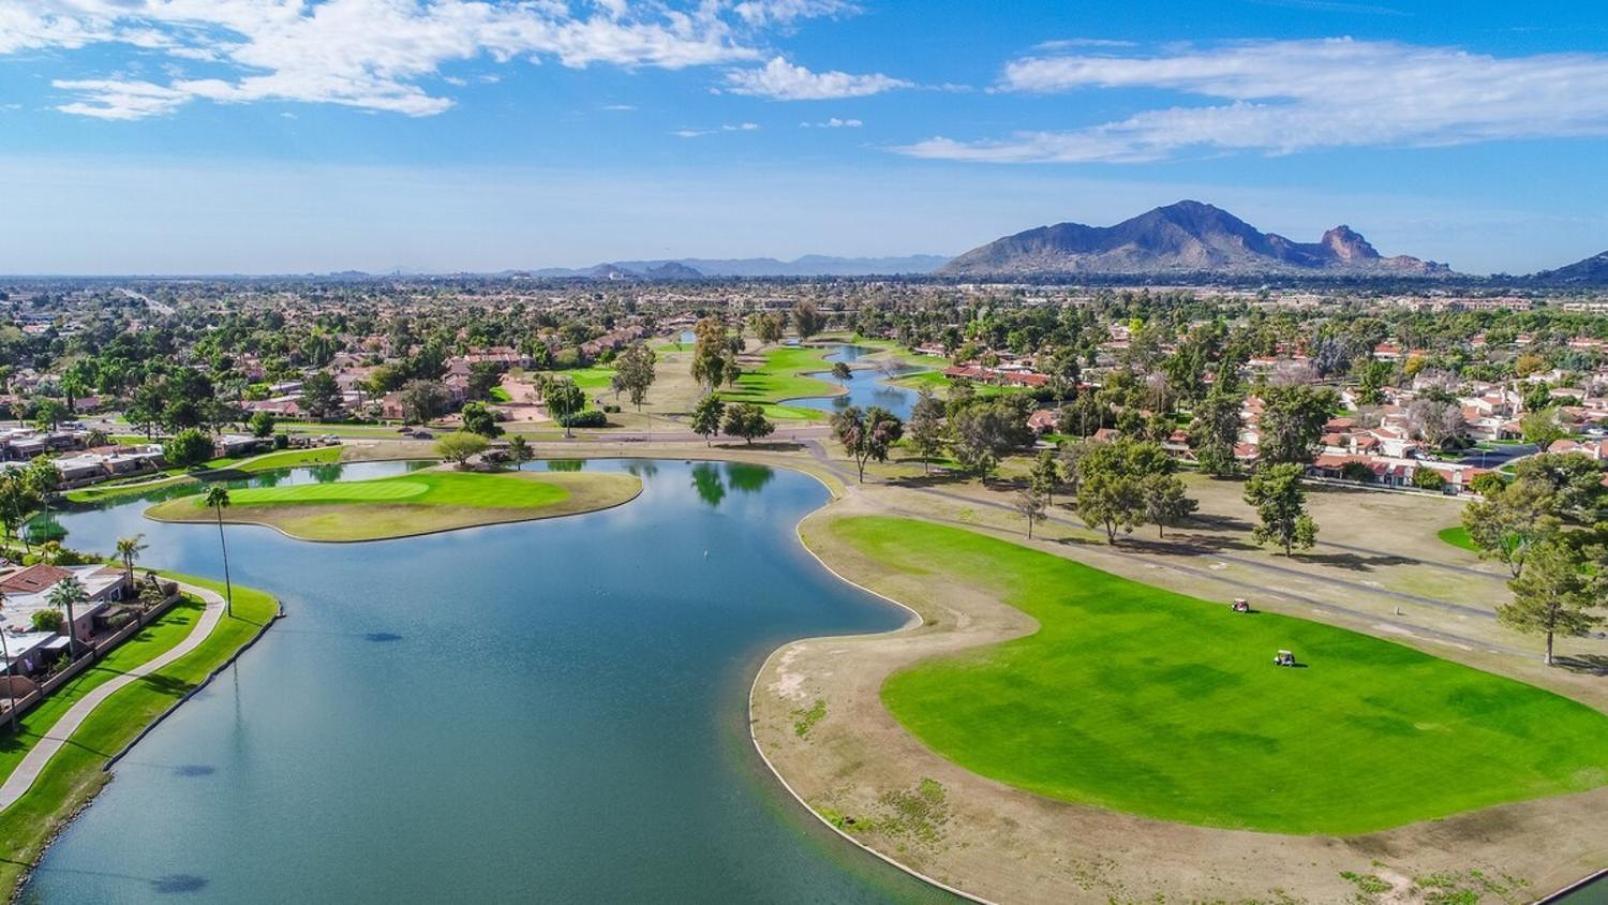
x=553 y=711
x=866 y=389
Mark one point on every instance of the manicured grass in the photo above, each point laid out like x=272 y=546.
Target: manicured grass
x=1137 y=699
x=75 y=774
x=217 y=468
x=590 y=379
x=499 y=394
x=781 y=377
x=417 y=503
x=1457 y=536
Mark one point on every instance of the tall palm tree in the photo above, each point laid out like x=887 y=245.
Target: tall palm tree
x=128 y=548
x=66 y=594
x=218 y=499
x=11 y=694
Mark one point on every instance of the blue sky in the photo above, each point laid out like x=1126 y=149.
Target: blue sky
x=163 y=136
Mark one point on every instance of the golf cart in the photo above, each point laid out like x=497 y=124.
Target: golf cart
x=1284 y=658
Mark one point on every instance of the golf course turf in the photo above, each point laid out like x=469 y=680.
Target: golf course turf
x=421 y=502
x=1137 y=699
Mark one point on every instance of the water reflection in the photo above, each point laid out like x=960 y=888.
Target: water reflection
x=706 y=479
x=566 y=464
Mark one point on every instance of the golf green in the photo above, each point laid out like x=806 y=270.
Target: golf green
x=1137 y=699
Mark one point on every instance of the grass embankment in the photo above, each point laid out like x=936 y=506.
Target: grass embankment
x=423 y=502
x=780 y=377
x=1137 y=699
x=217 y=469
x=75 y=774
x=1457 y=536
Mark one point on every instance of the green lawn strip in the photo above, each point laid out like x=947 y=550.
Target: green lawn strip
x=1457 y=536
x=1138 y=699
x=780 y=377
x=499 y=394
x=438 y=488
x=75 y=774
x=152 y=641
x=597 y=377
x=217 y=468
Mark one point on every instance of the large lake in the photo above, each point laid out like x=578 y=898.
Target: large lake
x=865 y=389
x=551 y=711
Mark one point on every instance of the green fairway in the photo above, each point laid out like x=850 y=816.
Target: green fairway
x=1457 y=536
x=74 y=774
x=1138 y=699
x=420 y=502
x=781 y=377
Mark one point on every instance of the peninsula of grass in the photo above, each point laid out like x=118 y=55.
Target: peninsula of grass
x=1136 y=699
x=1457 y=536
x=75 y=773
x=217 y=469
x=421 y=502
x=779 y=378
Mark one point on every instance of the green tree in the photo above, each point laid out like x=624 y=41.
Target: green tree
x=17 y=499
x=519 y=450
x=66 y=595
x=866 y=434
x=479 y=419
x=48 y=414
x=1292 y=422
x=842 y=372
x=927 y=427
x=129 y=549
x=1109 y=494
x=1542 y=428
x=263 y=424
x=1167 y=501
x=634 y=373
x=422 y=400
x=768 y=327
x=1429 y=479
x=459 y=446
x=984 y=431
x=188 y=448
x=1046 y=476
x=564 y=401
x=320 y=396
x=707 y=416
x=484 y=376
x=1277 y=494
x=1556 y=593
x=1214 y=432
x=42 y=477
x=807 y=319
x=748 y=421
x=709 y=352
x=218 y=499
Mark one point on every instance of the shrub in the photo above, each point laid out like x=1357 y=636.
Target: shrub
x=1428 y=479
x=281 y=441
x=1488 y=483
x=588 y=418
x=187 y=448
x=47 y=620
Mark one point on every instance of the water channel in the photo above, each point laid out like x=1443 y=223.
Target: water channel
x=550 y=711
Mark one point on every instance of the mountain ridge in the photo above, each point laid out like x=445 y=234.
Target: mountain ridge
x=1186 y=237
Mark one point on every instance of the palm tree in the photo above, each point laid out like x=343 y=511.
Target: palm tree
x=128 y=548
x=66 y=594
x=11 y=694
x=218 y=498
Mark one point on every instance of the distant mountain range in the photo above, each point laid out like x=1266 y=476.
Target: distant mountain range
x=698 y=268
x=1184 y=238
x=1593 y=271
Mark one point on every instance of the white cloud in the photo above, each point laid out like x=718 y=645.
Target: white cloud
x=729 y=127
x=619 y=108
x=833 y=123
x=1288 y=96
x=783 y=81
x=782 y=12
x=369 y=54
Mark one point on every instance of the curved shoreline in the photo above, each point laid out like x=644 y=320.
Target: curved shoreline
x=1411 y=836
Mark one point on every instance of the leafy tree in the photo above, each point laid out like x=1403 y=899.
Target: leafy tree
x=422 y=400
x=984 y=431
x=1109 y=494
x=1167 y=502
x=321 y=395
x=1488 y=483
x=1046 y=476
x=1555 y=595
x=807 y=319
x=1428 y=479
x=479 y=419
x=1031 y=504
x=768 y=327
x=1292 y=422
x=634 y=373
x=484 y=376
x=1215 y=431
x=564 y=401
x=748 y=421
x=48 y=414
x=519 y=450
x=17 y=498
x=218 y=498
x=709 y=352
x=1277 y=494
x=188 y=448
x=1542 y=428
x=460 y=446
x=66 y=595
x=927 y=427
x=707 y=416
x=867 y=434
x=263 y=424
x=842 y=372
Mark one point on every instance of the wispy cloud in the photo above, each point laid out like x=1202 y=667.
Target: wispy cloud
x=1289 y=96
x=783 y=81
x=783 y=12
x=619 y=108
x=371 y=54
x=833 y=123
x=729 y=127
